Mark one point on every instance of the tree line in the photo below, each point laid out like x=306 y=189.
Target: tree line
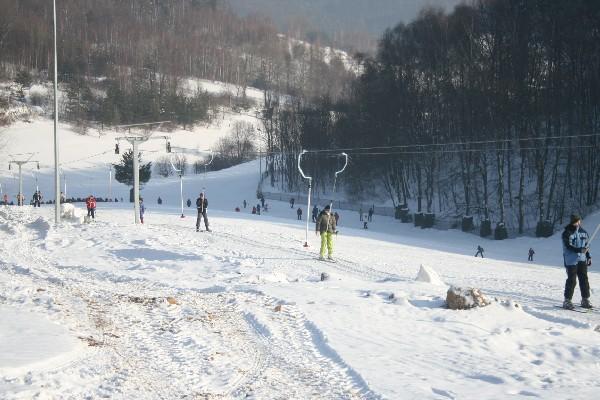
x=490 y=113
x=132 y=61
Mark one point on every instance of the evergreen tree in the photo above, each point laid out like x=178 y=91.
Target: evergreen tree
x=124 y=170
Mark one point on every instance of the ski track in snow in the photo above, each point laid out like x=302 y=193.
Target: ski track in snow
x=140 y=346
x=225 y=340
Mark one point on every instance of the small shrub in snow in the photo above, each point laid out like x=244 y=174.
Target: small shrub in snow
x=465 y=298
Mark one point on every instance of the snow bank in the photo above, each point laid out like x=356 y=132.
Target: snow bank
x=71 y=213
x=428 y=275
x=28 y=341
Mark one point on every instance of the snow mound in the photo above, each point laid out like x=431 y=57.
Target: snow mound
x=71 y=213
x=428 y=275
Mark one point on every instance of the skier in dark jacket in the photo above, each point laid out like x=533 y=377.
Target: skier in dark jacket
x=201 y=206
x=577 y=259
x=326 y=227
x=315 y=212
x=299 y=213
x=479 y=251
x=37 y=199
x=531 y=253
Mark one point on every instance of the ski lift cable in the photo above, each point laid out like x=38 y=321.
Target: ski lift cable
x=456 y=143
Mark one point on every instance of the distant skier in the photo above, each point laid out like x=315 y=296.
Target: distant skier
x=189 y=202
x=360 y=214
x=371 y=212
x=299 y=213
x=201 y=206
x=5 y=199
x=337 y=217
x=62 y=197
x=159 y=200
x=531 y=253
x=326 y=227
x=90 y=204
x=245 y=204
x=258 y=209
x=254 y=210
x=577 y=259
x=479 y=251
x=315 y=213
x=262 y=201
x=142 y=209
x=292 y=201
x=37 y=199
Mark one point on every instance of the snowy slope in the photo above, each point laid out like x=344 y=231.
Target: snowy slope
x=107 y=285
x=115 y=310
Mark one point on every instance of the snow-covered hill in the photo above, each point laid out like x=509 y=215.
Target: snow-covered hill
x=115 y=310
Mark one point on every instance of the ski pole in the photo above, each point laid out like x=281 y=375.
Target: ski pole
x=594 y=234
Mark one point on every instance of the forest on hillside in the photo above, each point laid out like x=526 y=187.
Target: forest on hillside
x=129 y=61
x=489 y=116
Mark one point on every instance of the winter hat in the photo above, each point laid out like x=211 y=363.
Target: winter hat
x=327 y=207
x=575 y=218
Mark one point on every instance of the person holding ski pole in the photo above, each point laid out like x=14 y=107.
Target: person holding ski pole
x=202 y=205
x=577 y=258
x=326 y=227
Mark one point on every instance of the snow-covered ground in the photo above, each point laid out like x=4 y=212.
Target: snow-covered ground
x=115 y=310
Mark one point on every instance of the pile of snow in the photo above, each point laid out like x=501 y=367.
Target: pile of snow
x=71 y=213
x=28 y=341
x=428 y=275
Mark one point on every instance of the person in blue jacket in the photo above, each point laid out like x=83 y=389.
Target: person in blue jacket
x=577 y=259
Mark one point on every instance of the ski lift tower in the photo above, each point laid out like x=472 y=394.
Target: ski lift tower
x=135 y=140
x=20 y=160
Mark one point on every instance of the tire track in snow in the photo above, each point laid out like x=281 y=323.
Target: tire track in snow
x=278 y=360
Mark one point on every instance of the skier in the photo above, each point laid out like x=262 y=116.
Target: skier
x=159 y=200
x=371 y=212
x=62 y=197
x=577 y=259
x=37 y=199
x=315 y=213
x=531 y=253
x=337 y=217
x=360 y=214
x=245 y=203
x=479 y=251
x=202 y=205
x=5 y=198
x=326 y=227
x=189 y=202
x=292 y=201
x=142 y=209
x=90 y=204
x=253 y=210
x=258 y=209
x=262 y=200
x=299 y=213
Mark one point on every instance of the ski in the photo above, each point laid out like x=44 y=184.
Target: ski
x=579 y=310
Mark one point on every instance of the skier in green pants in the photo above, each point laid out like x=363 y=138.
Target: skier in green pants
x=326 y=227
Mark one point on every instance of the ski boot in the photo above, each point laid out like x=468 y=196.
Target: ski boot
x=585 y=303
x=568 y=305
